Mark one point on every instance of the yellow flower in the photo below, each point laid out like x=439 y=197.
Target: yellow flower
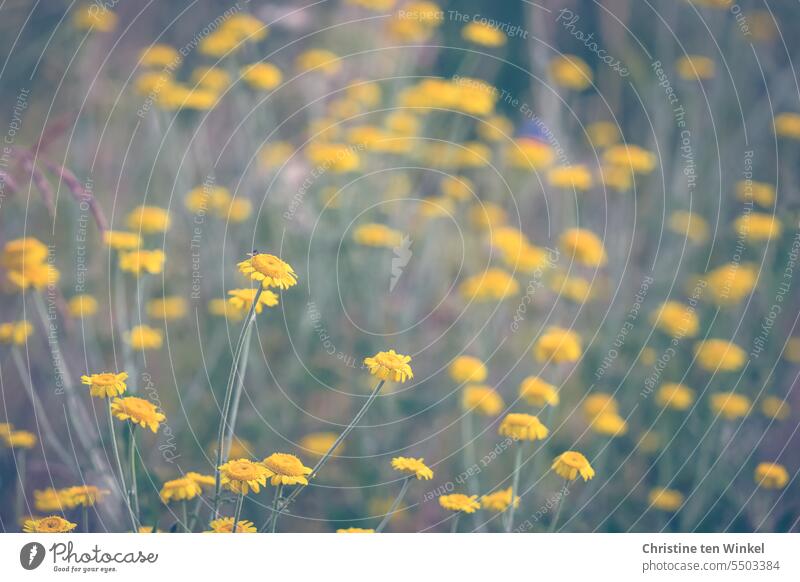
x=15 y=332
x=205 y=481
x=575 y=289
x=377 y=235
x=94 y=17
x=138 y=411
x=148 y=529
x=616 y=177
x=390 y=366
x=241 y=300
x=609 y=424
x=467 y=369
x=167 y=308
x=225 y=525
x=276 y=154
x=761 y=193
x=106 y=385
x=675 y=396
x=205 y=197
x=181 y=489
x=537 y=392
x=559 y=345
x=213 y=79
x=122 y=241
x=403 y=123
x=676 y=319
x=148 y=219
x=20 y=439
x=692 y=226
x=487 y=215
x=665 y=499
x=140 y=261
x=354 y=530
x=757 y=226
x=602 y=134
x=732 y=282
x=219 y=306
x=324 y=60
x=633 y=157
x=483 y=399
x=483 y=34
x=82 y=306
x=5 y=428
x=338 y=157
x=270 y=270
x=159 y=55
x=319 y=443
x=599 y=403
x=571 y=71
x=730 y=405
x=648 y=357
x=245 y=27
x=524 y=427
x=719 y=355
x=52 y=524
x=775 y=408
x=416 y=467
x=48 y=500
x=584 y=246
x=691 y=67
x=499 y=501
x=219 y=44
x=495 y=128
x=83 y=495
x=492 y=284
x=649 y=442
x=20 y=252
x=285 y=469
x=771 y=476
x=530 y=154
x=238 y=210
x=460 y=502
x=144 y=337
x=241 y=476
x=570 y=464
x=262 y=76
x=576 y=177
x=33 y=276
x=787 y=125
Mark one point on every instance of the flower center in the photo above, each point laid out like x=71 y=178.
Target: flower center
x=105 y=379
x=242 y=471
x=572 y=459
x=267 y=265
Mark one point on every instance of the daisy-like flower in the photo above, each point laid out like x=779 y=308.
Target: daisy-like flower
x=205 y=481
x=144 y=337
x=83 y=495
x=33 y=276
x=390 y=366
x=52 y=524
x=106 y=385
x=138 y=411
x=571 y=464
x=48 y=500
x=242 y=475
x=460 y=502
x=241 y=300
x=286 y=469
x=270 y=270
x=225 y=525
x=771 y=476
x=522 y=427
x=483 y=399
x=467 y=369
x=416 y=467
x=537 y=392
x=499 y=501
x=665 y=499
x=21 y=251
x=558 y=344
x=584 y=246
x=148 y=219
x=140 y=261
x=354 y=530
x=121 y=240
x=181 y=489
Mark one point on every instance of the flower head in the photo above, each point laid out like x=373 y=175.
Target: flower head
x=665 y=499
x=584 y=246
x=467 y=369
x=319 y=443
x=771 y=476
x=730 y=405
x=571 y=71
x=571 y=464
x=81 y=306
x=181 y=489
x=106 y=385
x=144 y=337
x=482 y=398
x=225 y=525
x=148 y=219
x=559 y=345
x=242 y=475
x=499 y=501
x=83 y=495
x=286 y=469
x=609 y=424
x=599 y=403
x=525 y=427
x=390 y=366
x=262 y=76
x=483 y=34
x=47 y=500
x=693 y=226
x=460 y=502
x=537 y=392
x=167 y=308
x=676 y=319
x=377 y=235
x=775 y=408
x=122 y=241
x=138 y=411
x=206 y=481
x=15 y=332
x=492 y=284
x=719 y=355
x=142 y=261
x=675 y=396
x=241 y=300
x=52 y=524
x=416 y=467
x=270 y=270
x=20 y=439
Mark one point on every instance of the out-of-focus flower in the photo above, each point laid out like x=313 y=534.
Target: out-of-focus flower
x=492 y=284
x=94 y=17
x=214 y=79
x=584 y=246
x=460 y=502
x=148 y=219
x=84 y=495
x=499 y=501
x=609 y=424
x=675 y=396
x=159 y=55
x=575 y=289
x=206 y=198
x=122 y=241
x=140 y=261
x=354 y=530
x=571 y=71
x=337 y=157
x=144 y=337
x=286 y=469
x=416 y=467
x=495 y=128
x=262 y=76
x=529 y=154
x=52 y=524
x=276 y=154
x=559 y=345
x=390 y=366
x=487 y=215
x=319 y=443
x=775 y=408
x=688 y=224
x=483 y=34
x=691 y=67
x=676 y=319
x=762 y=193
x=616 y=178
x=377 y=235
x=467 y=369
x=570 y=464
x=757 y=226
x=244 y=26
x=15 y=332
x=82 y=306
x=730 y=405
x=732 y=282
x=106 y=384
x=537 y=392
x=719 y=355
x=771 y=476
x=320 y=60
x=20 y=252
x=577 y=177
x=167 y=308
x=458 y=188
x=633 y=157
x=20 y=439
x=482 y=399
x=787 y=125
x=762 y=25
x=665 y=499
x=241 y=300
x=219 y=44
x=522 y=427
x=138 y=411
x=225 y=525
x=205 y=481
x=242 y=476
x=269 y=270
x=602 y=134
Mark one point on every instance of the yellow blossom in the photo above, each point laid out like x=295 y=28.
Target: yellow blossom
x=225 y=525
x=719 y=355
x=144 y=337
x=537 y=392
x=142 y=261
x=676 y=319
x=688 y=224
x=270 y=270
x=571 y=464
x=15 y=332
x=499 y=501
x=148 y=219
x=106 y=385
x=467 y=369
x=52 y=524
x=242 y=476
x=675 y=396
x=415 y=467
x=138 y=411
x=390 y=366
x=285 y=469
x=584 y=246
x=665 y=499
x=771 y=476
x=460 y=502
x=559 y=345
x=483 y=399
x=524 y=427
x=730 y=405
x=571 y=71
x=483 y=34
x=691 y=67
x=262 y=76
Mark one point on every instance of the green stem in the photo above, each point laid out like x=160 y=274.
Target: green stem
x=327 y=455
x=185 y=509
x=118 y=459
x=454 y=527
x=238 y=512
x=21 y=470
x=514 y=486
x=85 y=513
x=554 y=523
x=275 y=501
x=134 y=488
x=395 y=505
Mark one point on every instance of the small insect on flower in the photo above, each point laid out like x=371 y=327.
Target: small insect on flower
x=522 y=427
x=286 y=469
x=52 y=524
x=390 y=366
x=269 y=270
x=181 y=489
x=665 y=499
x=416 y=467
x=467 y=369
x=225 y=525
x=570 y=464
x=460 y=502
x=138 y=411
x=106 y=385
x=771 y=476
x=354 y=530
x=499 y=501
x=243 y=475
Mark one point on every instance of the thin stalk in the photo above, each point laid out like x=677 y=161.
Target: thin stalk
x=237 y=392
x=275 y=501
x=327 y=455
x=554 y=523
x=196 y=512
x=385 y=521
x=238 y=512
x=21 y=470
x=85 y=514
x=454 y=527
x=134 y=488
x=118 y=459
x=222 y=455
x=185 y=511
x=514 y=486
